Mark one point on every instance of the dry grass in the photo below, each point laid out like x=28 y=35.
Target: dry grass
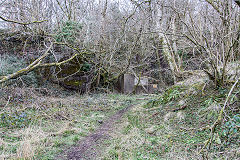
x=32 y=140
x=148 y=131
x=56 y=122
x=152 y=131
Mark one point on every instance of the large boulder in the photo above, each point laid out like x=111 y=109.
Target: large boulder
x=74 y=75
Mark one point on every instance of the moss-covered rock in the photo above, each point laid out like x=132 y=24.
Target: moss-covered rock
x=74 y=75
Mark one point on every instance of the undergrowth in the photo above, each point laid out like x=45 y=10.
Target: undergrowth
x=10 y=64
x=158 y=130
x=42 y=127
x=173 y=125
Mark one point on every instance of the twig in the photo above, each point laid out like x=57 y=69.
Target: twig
x=7 y=101
x=180 y=108
x=196 y=129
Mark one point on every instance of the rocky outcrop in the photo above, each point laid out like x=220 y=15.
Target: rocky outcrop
x=74 y=75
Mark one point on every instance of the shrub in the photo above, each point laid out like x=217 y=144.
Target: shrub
x=10 y=64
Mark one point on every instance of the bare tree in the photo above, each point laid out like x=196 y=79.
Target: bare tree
x=134 y=35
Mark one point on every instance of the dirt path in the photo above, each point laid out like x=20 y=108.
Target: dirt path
x=88 y=148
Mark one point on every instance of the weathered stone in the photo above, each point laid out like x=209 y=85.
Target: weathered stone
x=233 y=70
x=151 y=130
x=72 y=76
x=179 y=116
x=182 y=102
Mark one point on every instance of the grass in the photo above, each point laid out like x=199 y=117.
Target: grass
x=44 y=126
x=152 y=131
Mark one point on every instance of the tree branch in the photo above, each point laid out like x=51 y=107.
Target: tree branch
x=37 y=64
x=28 y=69
x=238 y=2
x=22 y=23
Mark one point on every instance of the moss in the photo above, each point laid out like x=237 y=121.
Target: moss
x=74 y=66
x=199 y=86
x=74 y=71
x=74 y=83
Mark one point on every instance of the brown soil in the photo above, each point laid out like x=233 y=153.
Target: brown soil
x=91 y=147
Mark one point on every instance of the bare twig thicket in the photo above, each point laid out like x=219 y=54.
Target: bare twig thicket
x=150 y=38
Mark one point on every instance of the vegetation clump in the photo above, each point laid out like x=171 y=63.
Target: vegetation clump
x=10 y=64
x=15 y=120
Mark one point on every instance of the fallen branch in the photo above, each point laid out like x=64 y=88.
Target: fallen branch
x=28 y=69
x=37 y=64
